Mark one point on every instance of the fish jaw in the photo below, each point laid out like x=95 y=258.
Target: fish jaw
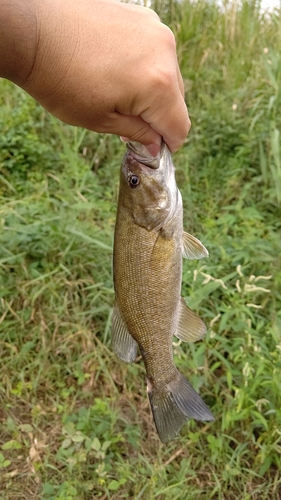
x=162 y=161
x=142 y=155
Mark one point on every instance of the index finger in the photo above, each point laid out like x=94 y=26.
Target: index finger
x=169 y=118
x=167 y=113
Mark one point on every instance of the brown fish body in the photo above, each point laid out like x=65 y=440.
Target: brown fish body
x=148 y=250
x=150 y=268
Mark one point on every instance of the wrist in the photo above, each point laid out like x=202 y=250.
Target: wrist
x=18 y=39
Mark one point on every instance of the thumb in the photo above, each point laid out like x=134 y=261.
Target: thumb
x=134 y=128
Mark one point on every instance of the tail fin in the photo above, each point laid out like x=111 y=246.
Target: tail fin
x=174 y=406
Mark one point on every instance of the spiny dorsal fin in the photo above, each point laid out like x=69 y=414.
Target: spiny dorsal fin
x=192 y=248
x=190 y=327
x=122 y=341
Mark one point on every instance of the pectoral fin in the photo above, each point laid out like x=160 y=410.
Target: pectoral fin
x=190 y=326
x=192 y=248
x=123 y=343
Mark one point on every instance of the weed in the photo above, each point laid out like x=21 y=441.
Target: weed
x=75 y=421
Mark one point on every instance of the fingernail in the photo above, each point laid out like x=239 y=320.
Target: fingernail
x=124 y=139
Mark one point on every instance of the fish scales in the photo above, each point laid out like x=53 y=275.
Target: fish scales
x=147 y=262
x=151 y=281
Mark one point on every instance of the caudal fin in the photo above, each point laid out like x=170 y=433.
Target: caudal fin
x=174 y=406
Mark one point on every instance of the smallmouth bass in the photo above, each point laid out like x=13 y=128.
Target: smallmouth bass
x=149 y=244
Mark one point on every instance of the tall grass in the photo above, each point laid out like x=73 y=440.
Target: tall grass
x=230 y=59
x=75 y=421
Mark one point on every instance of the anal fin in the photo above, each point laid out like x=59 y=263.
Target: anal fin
x=190 y=326
x=192 y=248
x=123 y=343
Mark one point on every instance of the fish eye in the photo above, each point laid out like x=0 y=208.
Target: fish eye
x=134 y=181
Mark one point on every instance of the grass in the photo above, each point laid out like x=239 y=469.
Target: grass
x=75 y=421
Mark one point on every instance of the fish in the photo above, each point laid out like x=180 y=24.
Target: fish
x=149 y=243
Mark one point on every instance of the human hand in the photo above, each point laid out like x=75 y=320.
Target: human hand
x=106 y=66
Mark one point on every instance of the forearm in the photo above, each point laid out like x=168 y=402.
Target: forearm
x=18 y=34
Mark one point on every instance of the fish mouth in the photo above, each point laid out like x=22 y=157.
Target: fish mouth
x=140 y=153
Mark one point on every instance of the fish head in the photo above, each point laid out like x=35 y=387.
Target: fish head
x=147 y=185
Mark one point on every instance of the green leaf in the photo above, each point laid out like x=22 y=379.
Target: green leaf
x=66 y=443
x=96 y=444
x=26 y=428
x=78 y=438
x=113 y=485
x=48 y=488
x=265 y=466
x=11 y=445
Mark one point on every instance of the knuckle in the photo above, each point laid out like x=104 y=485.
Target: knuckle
x=169 y=37
x=186 y=126
x=151 y=13
x=163 y=79
x=163 y=73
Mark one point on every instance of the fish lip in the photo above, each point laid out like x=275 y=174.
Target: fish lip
x=149 y=161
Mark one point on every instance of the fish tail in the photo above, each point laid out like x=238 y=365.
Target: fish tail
x=174 y=405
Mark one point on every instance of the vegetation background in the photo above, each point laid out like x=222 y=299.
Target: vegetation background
x=75 y=421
